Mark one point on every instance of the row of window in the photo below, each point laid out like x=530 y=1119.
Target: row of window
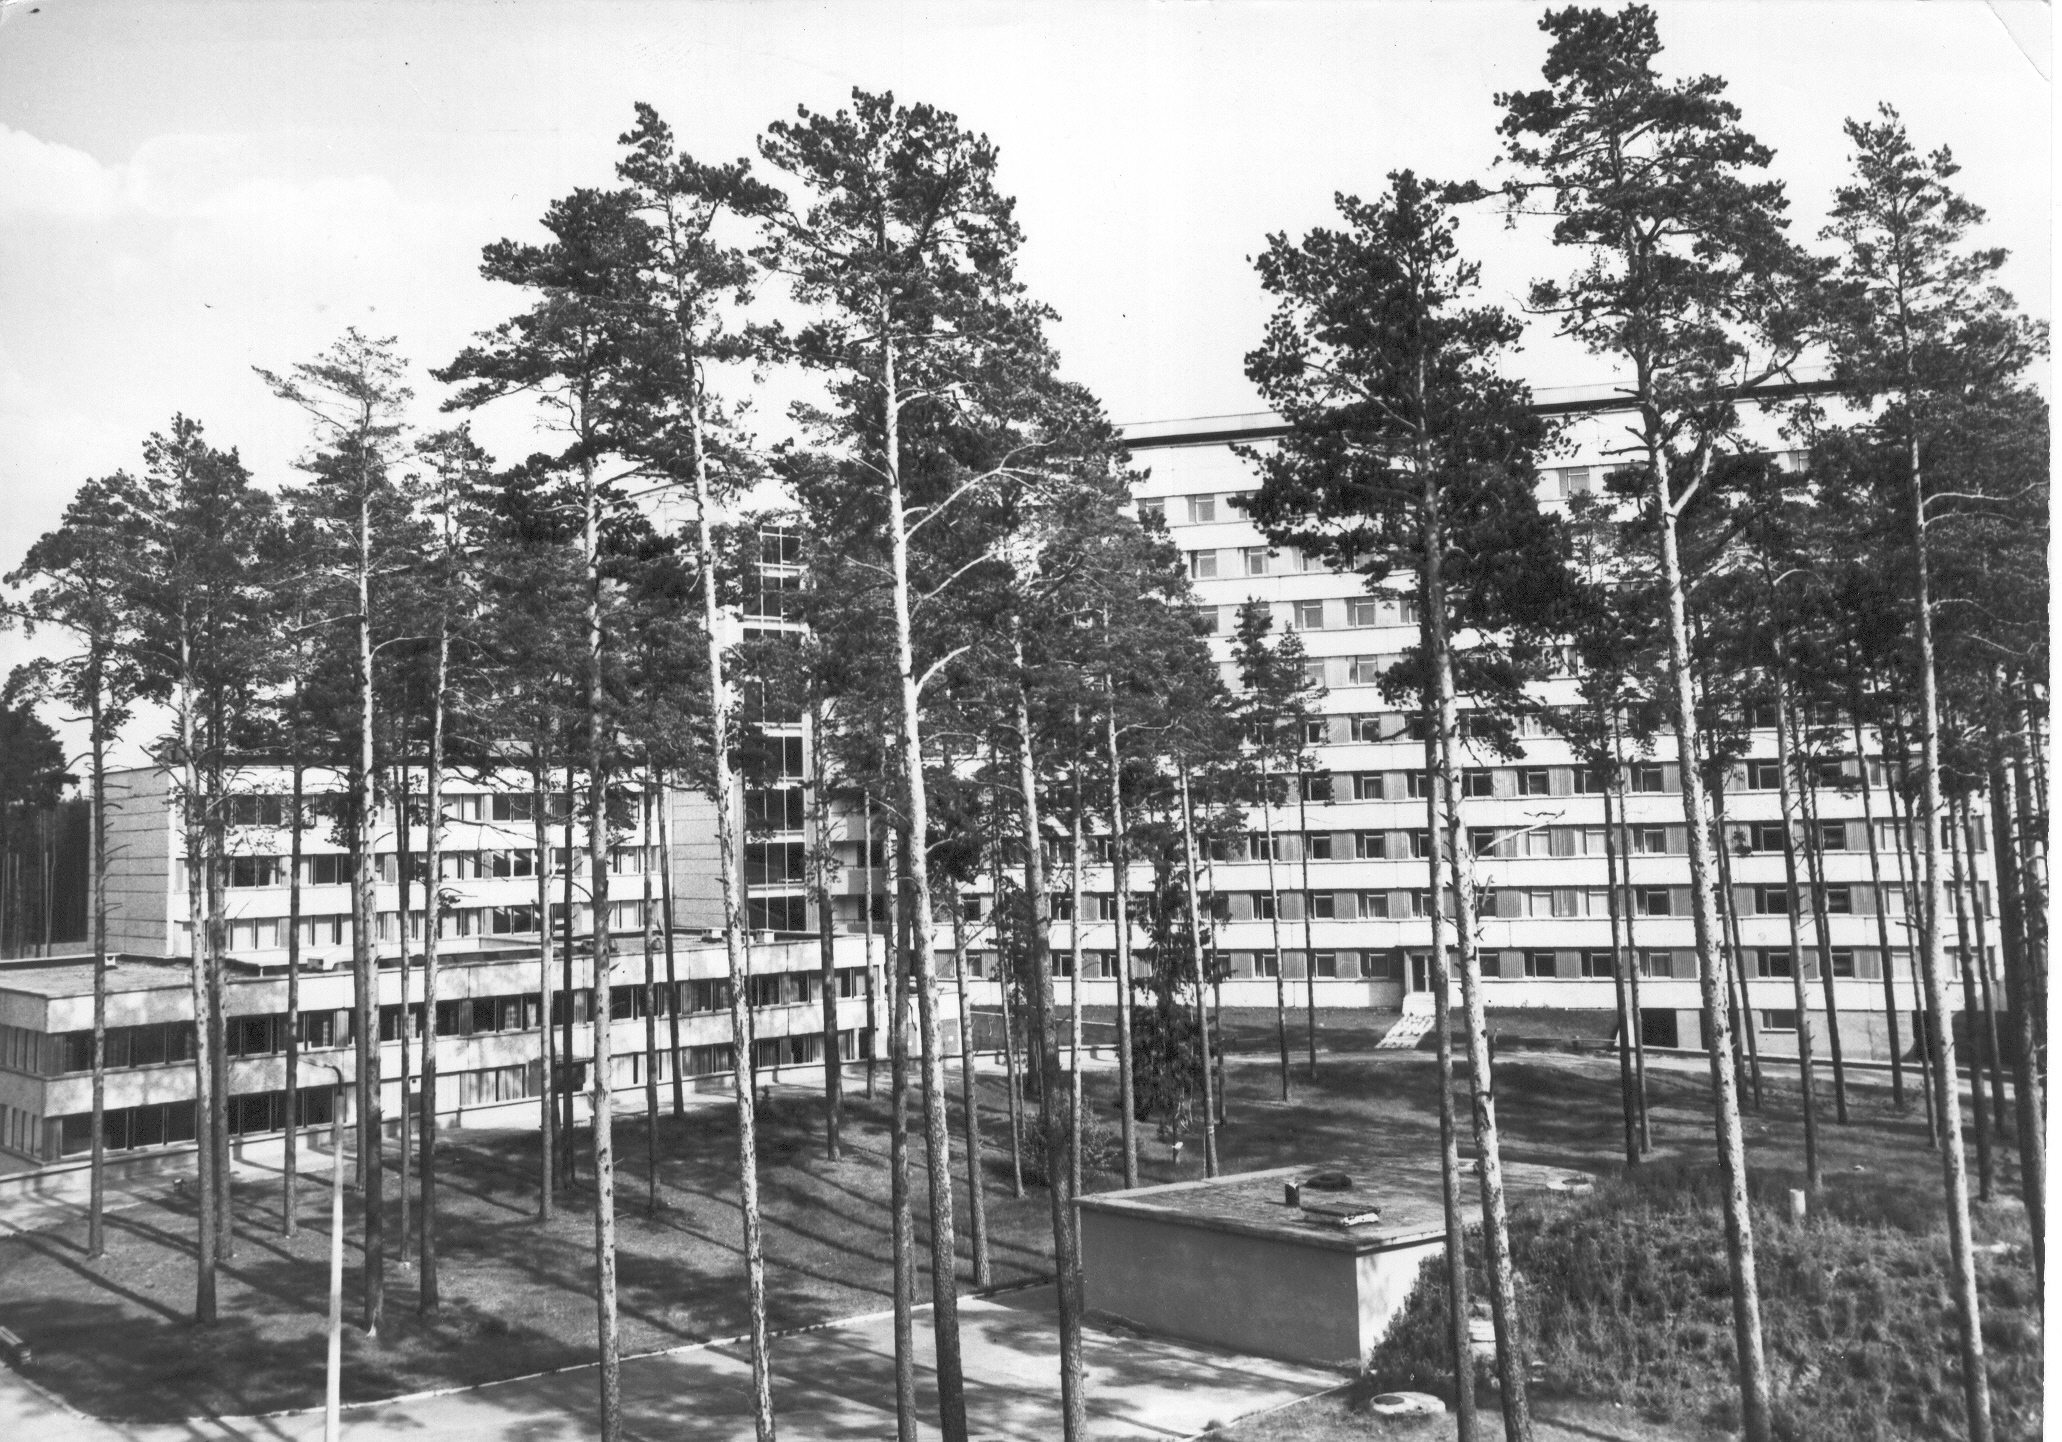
x=335 y=869
x=274 y=810
x=269 y=933
x=1510 y=903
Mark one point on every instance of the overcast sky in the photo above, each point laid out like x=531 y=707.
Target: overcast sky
x=189 y=188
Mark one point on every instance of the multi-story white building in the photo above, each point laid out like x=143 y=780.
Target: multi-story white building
x=1349 y=864
x=489 y=995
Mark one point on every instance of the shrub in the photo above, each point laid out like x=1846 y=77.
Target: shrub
x=1100 y=1145
x=1626 y=1298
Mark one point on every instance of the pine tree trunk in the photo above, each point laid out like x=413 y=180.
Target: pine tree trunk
x=1005 y=973
x=1309 y=935
x=1079 y=901
x=1815 y=862
x=1890 y=1008
x=827 y=958
x=902 y=1226
x=402 y=858
x=1503 y=1292
x=1274 y=901
x=568 y=1160
x=96 y=1209
x=1786 y=753
x=651 y=996
x=2026 y=1088
x=1992 y=1052
x=289 y=1202
x=1736 y=971
x=427 y=1300
x=970 y=1106
x=365 y=952
x=1915 y=923
x=1753 y=1367
x=1632 y=948
x=1467 y=1427
x=194 y=829
x=1621 y=963
x=218 y=1013
x=873 y=1022
x=1975 y=1381
x=1120 y=876
x=1986 y=1182
x=1066 y=1240
x=551 y=1057
x=1188 y=856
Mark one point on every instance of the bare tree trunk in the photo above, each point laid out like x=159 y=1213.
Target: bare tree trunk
x=1004 y=971
x=2026 y=1089
x=1986 y=1184
x=1120 y=878
x=1916 y=902
x=1503 y=1293
x=218 y=1012
x=96 y=1210
x=970 y=1105
x=1890 y=1009
x=873 y=1025
x=1066 y=1241
x=365 y=952
x=903 y=1221
x=1621 y=964
x=1992 y=1052
x=402 y=857
x=1188 y=856
x=427 y=1300
x=1274 y=903
x=1813 y=1178
x=1309 y=942
x=568 y=1162
x=1075 y=962
x=1632 y=948
x=826 y=943
x=1452 y=1202
x=289 y=1203
x=1736 y=971
x=549 y=1053
x=651 y=994
x=677 y=1063
x=1746 y=1290
x=1815 y=861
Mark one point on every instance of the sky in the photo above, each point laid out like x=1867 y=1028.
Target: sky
x=191 y=188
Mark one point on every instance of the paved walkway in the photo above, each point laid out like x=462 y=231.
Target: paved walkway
x=834 y=1382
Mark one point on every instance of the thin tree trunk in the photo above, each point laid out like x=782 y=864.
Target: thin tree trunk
x=903 y=1221
x=1004 y=975
x=651 y=994
x=1309 y=942
x=1813 y=1176
x=1452 y=1204
x=407 y=1027
x=1066 y=1241
x=1075 y=962
x=289 y=1203
x=676 y=1063
x=365 y=953
x=1915 y=913
x=568 y=1164
x=1274 y=903
x=826 y=942
x=1503 y=1293
x=1632 y=947
x=1120 y=877
x=1815 y=862
x=1729 y=918
x=1975 y=1380
x=1188 y=856
x=218 y=1012
x=549 y=1053
x=1991 y=1051
x=1753 y=1367
x=873 y=1025
x=1621 y=963
x=601 y=1086
x=1986 y=1182
x=969 y=1101
x=96 y=1211
x=2029 y=772
x=427 y=1300
x=2026 y=1089
x=1861 y=760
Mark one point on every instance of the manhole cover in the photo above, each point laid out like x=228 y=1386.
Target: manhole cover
x=1406 y=1404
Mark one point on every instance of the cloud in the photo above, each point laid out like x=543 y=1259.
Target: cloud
x=40 y=178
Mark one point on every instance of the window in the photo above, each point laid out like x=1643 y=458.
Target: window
x=1420 y=844
x=1832 y=836
x=1203 y=565
x=1264 y=908
x=1573 y=481
x=1256 y=560
x=1407 y=610
x=1656 y=962
x=1371 y=845
x=1421 y=902
x=1367 y=786
x=1314 y=674
x=1325 y=963
x=1374 y=906
x=1317 y=845
x=1784 y=1020
x=1153 y=511
x=1598 y=964
x=1651 y=901
x=1209 y=616
x=1585 y=781
x=1478 y=781
x=1321 y=906
x=1310 y=615
x=1482 y=841
x=1539 y=964
x=1365 y=728
x=1417 y=785
x=1766 y=836
x=1267 y=963
x=329 y=870
x=1317 y=731
x=1202 y=510
x=1534 y=781
x=1761 y=715
x=1363 y=670
x=507 y=807
x=251 y=871
x=1843 y=961
x=1764 y=775
x=1362 y=612
x=1770 y=963
x=1839 y=900
x=1648 y=777
x=257 y=810
x=1772 y=901
x=1650 y=840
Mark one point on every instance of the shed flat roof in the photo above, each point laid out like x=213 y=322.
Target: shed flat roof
x=63 y=976
x=1250 y=1204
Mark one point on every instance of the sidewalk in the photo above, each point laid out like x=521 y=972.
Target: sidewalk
x=832 y=1382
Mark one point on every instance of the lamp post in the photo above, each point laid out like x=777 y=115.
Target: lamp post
x=333 y=1392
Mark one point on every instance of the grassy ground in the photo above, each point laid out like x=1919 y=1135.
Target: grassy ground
x=114 y=1339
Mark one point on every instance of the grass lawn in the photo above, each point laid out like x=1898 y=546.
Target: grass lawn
x=113 y=1337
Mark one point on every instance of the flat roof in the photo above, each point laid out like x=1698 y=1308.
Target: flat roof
x=1250 y=1204
x=66 y=976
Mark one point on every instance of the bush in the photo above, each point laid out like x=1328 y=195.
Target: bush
x=1627 y=1298
x=1100 y=1145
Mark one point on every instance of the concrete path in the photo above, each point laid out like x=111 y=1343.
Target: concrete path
x=833 y=1382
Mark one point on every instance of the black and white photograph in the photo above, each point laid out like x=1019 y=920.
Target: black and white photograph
x=1024 y=721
